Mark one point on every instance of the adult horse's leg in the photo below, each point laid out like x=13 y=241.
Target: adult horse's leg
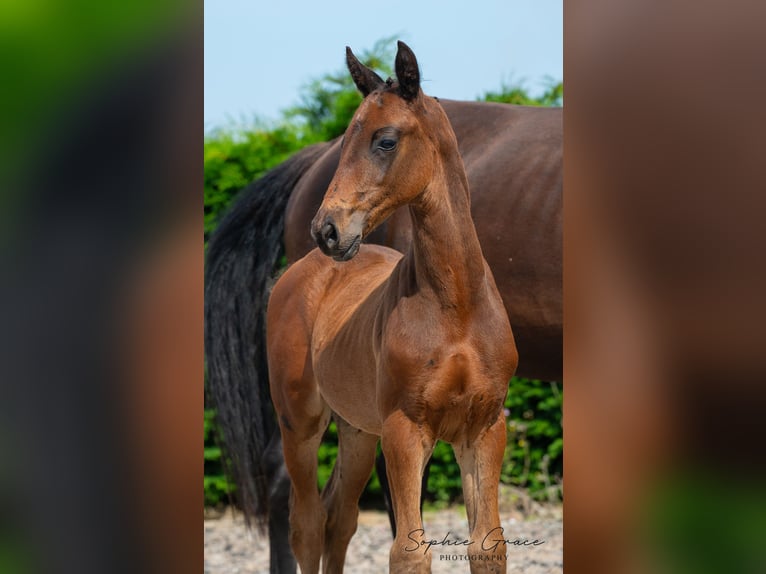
x=380 y=468
x=281 y=559
x=407 y=449
x=480 y=464
x=356 y=456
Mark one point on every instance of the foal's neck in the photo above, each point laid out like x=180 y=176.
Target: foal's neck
x=445 y=254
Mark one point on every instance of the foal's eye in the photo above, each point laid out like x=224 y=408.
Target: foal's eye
x=387 y=144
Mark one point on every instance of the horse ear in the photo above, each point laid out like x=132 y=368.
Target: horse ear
x=365 y=79
x=407 y=72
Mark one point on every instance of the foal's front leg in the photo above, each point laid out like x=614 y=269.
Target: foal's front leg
x=406 y=448
x=480 y=464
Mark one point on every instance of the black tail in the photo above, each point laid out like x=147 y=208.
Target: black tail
x=241 y=257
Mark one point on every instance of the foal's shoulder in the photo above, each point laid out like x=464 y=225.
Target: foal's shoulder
x=378 y=253
x=316 y=267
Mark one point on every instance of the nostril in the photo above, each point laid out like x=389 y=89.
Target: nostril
x=330 y=234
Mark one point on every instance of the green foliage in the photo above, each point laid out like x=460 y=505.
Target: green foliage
x=444 y=483
x=217 y=487
x=236 y=156
x=552 y=96
x=328 y=452
x=534 y=453
x=232 y=160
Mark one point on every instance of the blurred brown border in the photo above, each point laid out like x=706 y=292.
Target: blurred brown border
x=664 y=283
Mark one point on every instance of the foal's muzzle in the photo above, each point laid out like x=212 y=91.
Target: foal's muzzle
x=329 y=238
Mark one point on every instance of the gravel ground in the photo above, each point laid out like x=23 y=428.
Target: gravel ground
x=231 y=549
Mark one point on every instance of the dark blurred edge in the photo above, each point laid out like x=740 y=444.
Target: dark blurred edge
x=664 y=196
x=101 y=305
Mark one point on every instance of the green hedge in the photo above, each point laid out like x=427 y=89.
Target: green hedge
x=237 y=155
x=234 y=158
x=217 y=485
x=534 y=454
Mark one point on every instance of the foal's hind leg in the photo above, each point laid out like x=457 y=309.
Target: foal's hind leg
x=307 y=514
x=303 y=417
x=356 y=455
x=480 y=465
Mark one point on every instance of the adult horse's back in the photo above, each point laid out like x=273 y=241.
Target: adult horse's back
x=513 y=160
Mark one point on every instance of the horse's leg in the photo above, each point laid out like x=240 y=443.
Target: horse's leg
x=303 y=416
x=480 y=465
x=281 y=559
x=380 y=468
x=407 y=449
x=301 y=435
x=356 y=456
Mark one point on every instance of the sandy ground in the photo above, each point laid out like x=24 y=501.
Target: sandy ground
x=231 y=549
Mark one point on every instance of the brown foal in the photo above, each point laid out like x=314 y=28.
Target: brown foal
x=409 y=348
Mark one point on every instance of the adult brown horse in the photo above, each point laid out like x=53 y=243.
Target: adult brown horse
x=409 y=348
x=512 y=156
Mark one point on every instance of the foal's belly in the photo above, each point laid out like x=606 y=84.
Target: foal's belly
x=344 y=368
x=351 y=394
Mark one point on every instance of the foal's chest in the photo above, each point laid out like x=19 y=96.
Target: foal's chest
x=453 y=383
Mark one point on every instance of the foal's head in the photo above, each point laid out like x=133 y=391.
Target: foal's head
x=388 y=155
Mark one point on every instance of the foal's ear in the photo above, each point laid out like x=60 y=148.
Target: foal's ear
x=365 y=79
x=407 y=72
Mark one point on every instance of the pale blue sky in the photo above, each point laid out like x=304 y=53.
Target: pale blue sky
x=258 y=54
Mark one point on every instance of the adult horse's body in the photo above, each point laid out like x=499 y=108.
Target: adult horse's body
x=512 y=157
x=410 y=348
